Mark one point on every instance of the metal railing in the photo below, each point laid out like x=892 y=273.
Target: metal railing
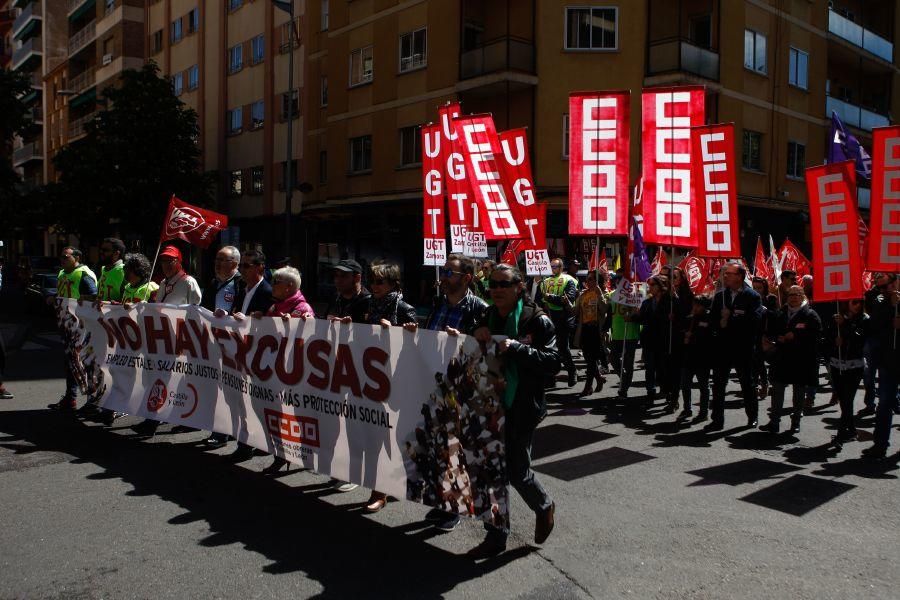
x=36 y=114
x=27 y=152
x=76 y=127
x=83 y=37
x=860 y=36
x=852 y=114
x=83 y=81
x=73 y=5
x=33 y=45
x=37 y=81
x=674 y=55
x=31 y=11
x=502 y=54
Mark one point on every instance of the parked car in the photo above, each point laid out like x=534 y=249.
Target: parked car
x=42 y=287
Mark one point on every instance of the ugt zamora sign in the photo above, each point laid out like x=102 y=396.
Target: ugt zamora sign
x=668 y=198
x=598 y=162
x=435 y=251
x=715 y=186
x=884 y=231
x=832 y=212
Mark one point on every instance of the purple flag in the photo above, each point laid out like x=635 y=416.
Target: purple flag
x=638 y=259
x=844 y=146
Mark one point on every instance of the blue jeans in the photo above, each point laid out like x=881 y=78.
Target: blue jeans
x=884 y=414
x=72 y=388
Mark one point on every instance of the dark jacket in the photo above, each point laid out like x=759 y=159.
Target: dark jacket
x=535 y=356
x=464 y=317
x=888 y=341
x=742 y=327
x=260 y=302
x=399 y=312
x=853 y=334
x=208 y=300
x=357 y=307
x=698 y=340
x=795 y=361
x=656 y=318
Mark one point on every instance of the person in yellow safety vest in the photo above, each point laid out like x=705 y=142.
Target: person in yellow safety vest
x=558 y=293
x=75 y=281
x=109 y=289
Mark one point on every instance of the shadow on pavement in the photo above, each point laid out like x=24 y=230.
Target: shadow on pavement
x=351 y=556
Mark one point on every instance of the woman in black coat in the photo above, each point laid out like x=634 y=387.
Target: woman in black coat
x=845 y=339
x=662 y=337
x=791 y=341
x=770 y=309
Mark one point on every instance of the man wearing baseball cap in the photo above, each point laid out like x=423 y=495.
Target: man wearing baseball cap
x=178 y=287
x=350 y=306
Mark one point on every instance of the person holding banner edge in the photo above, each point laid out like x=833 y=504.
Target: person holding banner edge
x=886 y=322
x=553 y=288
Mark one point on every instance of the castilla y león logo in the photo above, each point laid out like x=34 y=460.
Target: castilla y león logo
x=183 y=220
x=156 y=399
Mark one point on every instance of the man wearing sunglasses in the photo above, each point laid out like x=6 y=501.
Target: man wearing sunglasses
x=558 y=293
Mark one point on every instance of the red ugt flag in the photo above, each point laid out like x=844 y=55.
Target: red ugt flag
x=191 y=224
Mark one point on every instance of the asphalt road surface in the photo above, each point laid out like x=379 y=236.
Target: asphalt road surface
x=646 y=508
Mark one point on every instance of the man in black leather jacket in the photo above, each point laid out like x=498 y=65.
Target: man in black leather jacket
x=530 y=355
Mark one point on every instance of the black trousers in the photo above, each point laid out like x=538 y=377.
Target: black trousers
x=742 y=362
x=700 y=372
x=846 y=383
x=560 y=321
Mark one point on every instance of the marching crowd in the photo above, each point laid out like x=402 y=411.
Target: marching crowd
x=771 y=339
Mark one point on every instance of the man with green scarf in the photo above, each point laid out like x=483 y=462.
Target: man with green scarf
x=529 y=355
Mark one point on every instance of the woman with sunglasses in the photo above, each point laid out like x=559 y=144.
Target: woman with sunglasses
x=845 y=339
x=792 y=342
x=386 y=308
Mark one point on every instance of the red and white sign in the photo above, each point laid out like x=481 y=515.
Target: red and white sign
x=697 y=271
x=668 y=198
x=435 y=250
x=598 y=162
x=482 y=154
x=516 y=170
x=835 y=233
x=760 y=263
x=192 y=224
x=537 y=259
x=715 y=185
x=791 y=259
x=466 y=231
x=884 y=232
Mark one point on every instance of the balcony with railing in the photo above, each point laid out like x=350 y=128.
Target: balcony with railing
x=73 y=5
x=859 y=36
x=36 y=114
x=30 y=48
x=676 y=55
x=31 y=14
x=507 y=53
x=76 y=127
x=37 y=81
x=854 y=115
x=83 y=81
x=82 y=38
x=28 y=152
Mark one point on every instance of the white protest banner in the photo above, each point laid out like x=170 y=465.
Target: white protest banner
x=628 y=294
x=414 y=415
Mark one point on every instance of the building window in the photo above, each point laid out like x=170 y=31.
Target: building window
x=237 y=183
x=323 y=166
x=755 y=51
x=798 y=69
x=361 y=66
x=235 y=119
x=412 y=50
x=592 y=28
x=193 y=77
x=194 y=21
x=361 y=154
x=323 y=24
x=110 y=6
x=752 y=145
x=257 y=114
x=177 y=83
x=796 y=160
x=257 y=49
x=235 y=58
x=290 y=100
x=565 y=130
x=233 y=5
x=289 y=32
x=256 y=180
x=177 y=31
x=410 y=146
x=156 y=43
x=323 y=97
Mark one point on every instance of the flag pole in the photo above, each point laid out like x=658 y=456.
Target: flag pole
x=153 y=268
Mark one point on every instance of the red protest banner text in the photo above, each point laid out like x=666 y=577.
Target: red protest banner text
x=884 y=232
x=435 y=245
x=834 y=221
x=598 y=163
x=716 y=189
x=668 y=196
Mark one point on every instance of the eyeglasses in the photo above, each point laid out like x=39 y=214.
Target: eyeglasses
x=246 y=265
x=554 y=267
x=218 y=259
x=502 y=284
x=795 y=295
x=277 y=282
x=65 y=256
x=448 y=273
x=379 y=281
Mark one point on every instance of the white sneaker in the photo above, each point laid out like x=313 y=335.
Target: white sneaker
x=343 y=486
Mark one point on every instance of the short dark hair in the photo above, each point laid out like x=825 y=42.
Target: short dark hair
x=740 y=268
x=788 y=273
x=117 y=245
x=138 y=264
x=256 y=257
x=763 y=281
x=466 y=264
x=703 y=301
x=76 y=253
x=512 y=269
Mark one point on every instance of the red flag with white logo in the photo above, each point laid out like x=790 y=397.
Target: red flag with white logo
x=483 y=158
x=192 y=224
x=696 y=269
x=760 y=264
x=715 y=187
x=435 y=244
x=599 y=125
x=669 y=200
x=794 y=260
x=884 y=232
x=834 y=221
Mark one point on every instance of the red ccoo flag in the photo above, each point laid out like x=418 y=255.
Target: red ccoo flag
x=191 y=224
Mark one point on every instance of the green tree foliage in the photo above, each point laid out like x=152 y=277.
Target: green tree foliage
x=134 y=156
x=14 y=120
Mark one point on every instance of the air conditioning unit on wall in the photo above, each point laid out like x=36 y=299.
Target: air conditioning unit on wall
x=107 y=59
